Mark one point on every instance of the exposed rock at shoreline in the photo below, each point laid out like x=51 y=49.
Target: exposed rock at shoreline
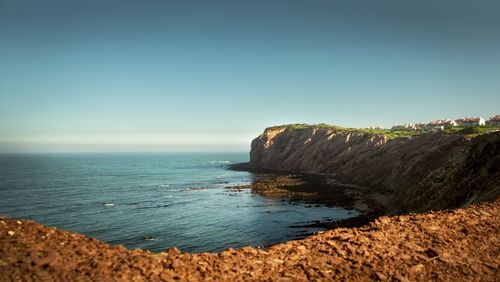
x=456 y=245
x=436 y=170
x=305 y=188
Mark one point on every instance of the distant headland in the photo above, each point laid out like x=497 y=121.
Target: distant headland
x=403 y=169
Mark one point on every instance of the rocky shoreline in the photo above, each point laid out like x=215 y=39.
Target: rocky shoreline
x=299 y=187
x=313 y=189
x=435 y=170
x=456 y=245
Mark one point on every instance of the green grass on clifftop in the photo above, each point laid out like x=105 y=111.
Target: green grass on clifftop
x=336 y=128
x=471 y=131
x=300 y=126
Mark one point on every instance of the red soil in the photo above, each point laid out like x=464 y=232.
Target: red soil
x=462 y=244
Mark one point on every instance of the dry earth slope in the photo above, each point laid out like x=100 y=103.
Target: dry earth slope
x=457 y=245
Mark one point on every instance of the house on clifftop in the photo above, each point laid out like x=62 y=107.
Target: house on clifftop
x=494 y=120
x=470 y=121
x=439 y=124
x=408 y=126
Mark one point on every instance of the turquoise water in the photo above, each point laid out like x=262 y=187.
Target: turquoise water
x=152 y=201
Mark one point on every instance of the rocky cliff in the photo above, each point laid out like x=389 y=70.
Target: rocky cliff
x=430 y=171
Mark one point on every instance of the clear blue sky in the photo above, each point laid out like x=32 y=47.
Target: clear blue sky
x=211 y=75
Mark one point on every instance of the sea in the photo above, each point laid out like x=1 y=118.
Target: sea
x=153 y=201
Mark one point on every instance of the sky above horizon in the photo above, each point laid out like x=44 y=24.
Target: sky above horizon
x=211 y=75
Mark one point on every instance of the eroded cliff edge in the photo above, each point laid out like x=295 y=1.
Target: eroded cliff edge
x=435 y=170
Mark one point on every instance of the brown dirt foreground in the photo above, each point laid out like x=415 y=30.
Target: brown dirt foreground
x=453 y=245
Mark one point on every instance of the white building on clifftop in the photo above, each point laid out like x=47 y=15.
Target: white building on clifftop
x=470 y=121
x=494 y=120
x=408 y=126
x=439 y=124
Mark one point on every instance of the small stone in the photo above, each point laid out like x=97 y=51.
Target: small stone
x=302 y=248
x=476 y=268
x=433 y=252
x=249 y=250
x=164 y=276
x=278 y=261
x=344 y=238
x=490 y=265
x=11 y=233
x=400 y=278
x=384 y=220
x=262 y=252
x=433 y=228
x=173 y=251
x=19 y=222
x=417 y=268
x=445 y=258
x=381 y=276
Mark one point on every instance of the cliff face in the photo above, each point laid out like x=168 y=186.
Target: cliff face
x=429 y=171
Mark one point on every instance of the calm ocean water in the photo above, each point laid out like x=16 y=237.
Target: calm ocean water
x=151 y=201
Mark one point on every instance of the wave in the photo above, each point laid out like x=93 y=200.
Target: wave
x=221 y=162
x=155 y=207
x=187 y=189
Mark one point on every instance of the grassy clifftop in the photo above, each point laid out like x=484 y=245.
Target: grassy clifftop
x=301 y=126
x=472 y=131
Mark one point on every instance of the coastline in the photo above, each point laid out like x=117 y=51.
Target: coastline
x=449 y=244
x=316 y=188
x=459 y=244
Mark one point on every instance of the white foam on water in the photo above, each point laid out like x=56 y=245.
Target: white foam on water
x=221 y=162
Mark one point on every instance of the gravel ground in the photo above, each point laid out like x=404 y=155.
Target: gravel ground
x=462 y=244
